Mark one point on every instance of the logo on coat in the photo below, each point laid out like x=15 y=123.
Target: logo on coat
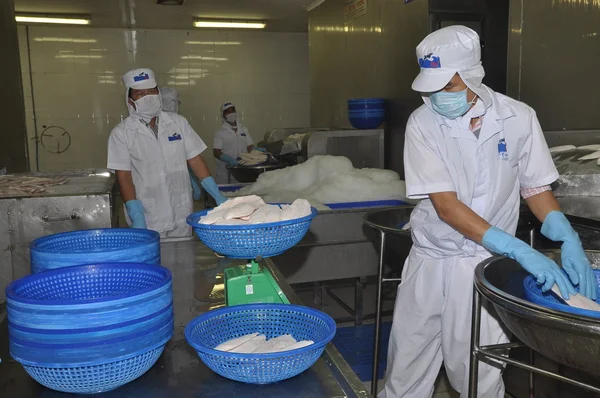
x=502 y=149
x=141 y=77
x=430 y=61
x=175 y=137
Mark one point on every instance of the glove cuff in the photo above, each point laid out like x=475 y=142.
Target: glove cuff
x=500 y=242
x=556 y=227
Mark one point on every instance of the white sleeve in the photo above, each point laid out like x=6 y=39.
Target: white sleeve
x=194 y=145
x=536 y=167
x=218 y=141
x=119 y=157
x=248 y=138
x=424 y=168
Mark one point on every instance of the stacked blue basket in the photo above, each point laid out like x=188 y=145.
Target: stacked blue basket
x=110 y=245
x=209 y=330
x=90 y=328
x=250 y=241
x=366 y=113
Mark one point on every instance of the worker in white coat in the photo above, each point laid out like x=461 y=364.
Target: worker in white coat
x=470 y=153
x=231 y=140
x=150 y=152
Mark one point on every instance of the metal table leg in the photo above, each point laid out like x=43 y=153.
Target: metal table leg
x=358 y=301
x=378 y=316
x=475 y=344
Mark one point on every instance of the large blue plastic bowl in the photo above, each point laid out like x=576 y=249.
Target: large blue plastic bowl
x=95 y=246
x=373 y=113
x=209 y=330
x=366 y=122
x=251 y=241
x=366 y=104
x=533 y=293
x=90 y=328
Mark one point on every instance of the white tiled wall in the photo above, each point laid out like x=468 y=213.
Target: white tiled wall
x=76 y=74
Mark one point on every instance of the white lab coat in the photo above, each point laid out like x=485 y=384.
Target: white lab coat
x=432 y=315
x=233 y=143
x=159 y=168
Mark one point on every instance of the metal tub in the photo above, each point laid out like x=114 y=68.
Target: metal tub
x=570 y=340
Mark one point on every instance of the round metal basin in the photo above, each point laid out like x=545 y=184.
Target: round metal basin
x=389 y=221
x=568 y=339
x=248 y=174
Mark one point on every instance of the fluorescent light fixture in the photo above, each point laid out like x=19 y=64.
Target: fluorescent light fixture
x=64 y=40
x=63 y=20
x=208 y=23
x=215 y=43
x=314 y=5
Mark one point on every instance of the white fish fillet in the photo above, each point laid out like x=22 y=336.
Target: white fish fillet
x=578 y=301
x=595 y=147
x=300 y=208
x=562 y=148
x=276 y=344
x=300 y=344
x=591 y=156
x=231 y=344
x=250 y=345
x=242 y=210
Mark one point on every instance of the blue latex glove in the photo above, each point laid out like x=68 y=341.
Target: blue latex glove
x=259 y=149
x=574 y=261
x=211 y=187
x=228 y=159
x=135 y=210
x=546 y=271
x=196 y=190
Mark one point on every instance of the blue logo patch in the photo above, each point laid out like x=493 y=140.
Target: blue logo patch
x=175 y=137
x=243 y=134
x=502 y=149
x=430 y=61
x=141 y=77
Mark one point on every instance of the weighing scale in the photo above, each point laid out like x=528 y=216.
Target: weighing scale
x=251 y=284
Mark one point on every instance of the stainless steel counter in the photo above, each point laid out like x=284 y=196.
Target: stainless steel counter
x=197 y=288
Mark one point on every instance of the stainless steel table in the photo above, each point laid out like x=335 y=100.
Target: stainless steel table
x=197 y=288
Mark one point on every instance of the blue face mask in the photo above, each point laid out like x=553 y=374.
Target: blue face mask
x=451 y=105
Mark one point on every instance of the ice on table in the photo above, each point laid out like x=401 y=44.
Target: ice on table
x=327 y=179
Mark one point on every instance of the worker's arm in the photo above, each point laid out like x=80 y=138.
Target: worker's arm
x=217 y=153
x=126 y=186
x=250 y=148
x=198 y=166
x=459 y=216
x=542 y=204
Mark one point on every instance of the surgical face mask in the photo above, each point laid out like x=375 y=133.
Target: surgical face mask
x=231 y=118
x=148 y=107
x=451 y=105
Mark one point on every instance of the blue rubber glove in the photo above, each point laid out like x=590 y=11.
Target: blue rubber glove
x=135 y=210
x=574 y=261
x=259 y=149
x=546 y=271
x=211 y=187
x=228 y=159
x=196 y=190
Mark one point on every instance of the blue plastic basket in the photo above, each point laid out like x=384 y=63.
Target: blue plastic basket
x=110 y=245
x=215 y=327
x=89 y=315
x=533 y=293
x=251 y=241
x=94 y=379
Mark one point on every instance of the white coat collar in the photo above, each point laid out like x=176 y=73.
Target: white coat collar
x=228 y=127
x=164 y=119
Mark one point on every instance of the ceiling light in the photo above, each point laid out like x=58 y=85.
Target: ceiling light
x=207 y=23
x=64 y=20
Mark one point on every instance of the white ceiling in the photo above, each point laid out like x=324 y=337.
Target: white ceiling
x=281 y=15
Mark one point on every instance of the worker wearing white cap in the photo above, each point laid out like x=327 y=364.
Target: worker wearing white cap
x=150 y=152
x=231 y=140
x=470 y=153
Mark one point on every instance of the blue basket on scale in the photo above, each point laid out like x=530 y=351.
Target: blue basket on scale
x=90 y=328
x=209 y=330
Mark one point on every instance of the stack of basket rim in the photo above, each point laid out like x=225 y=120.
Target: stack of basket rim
x=90 y=328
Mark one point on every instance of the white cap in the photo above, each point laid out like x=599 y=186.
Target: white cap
x=225 y=106
x=139 y=79
x=444 y=53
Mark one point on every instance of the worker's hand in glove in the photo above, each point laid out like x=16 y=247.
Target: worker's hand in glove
x=135 y=210
x=574 y=261
x=259 y=149
x=228 y=159
x=211 y=187
x=196 y=190
x=546 y=271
